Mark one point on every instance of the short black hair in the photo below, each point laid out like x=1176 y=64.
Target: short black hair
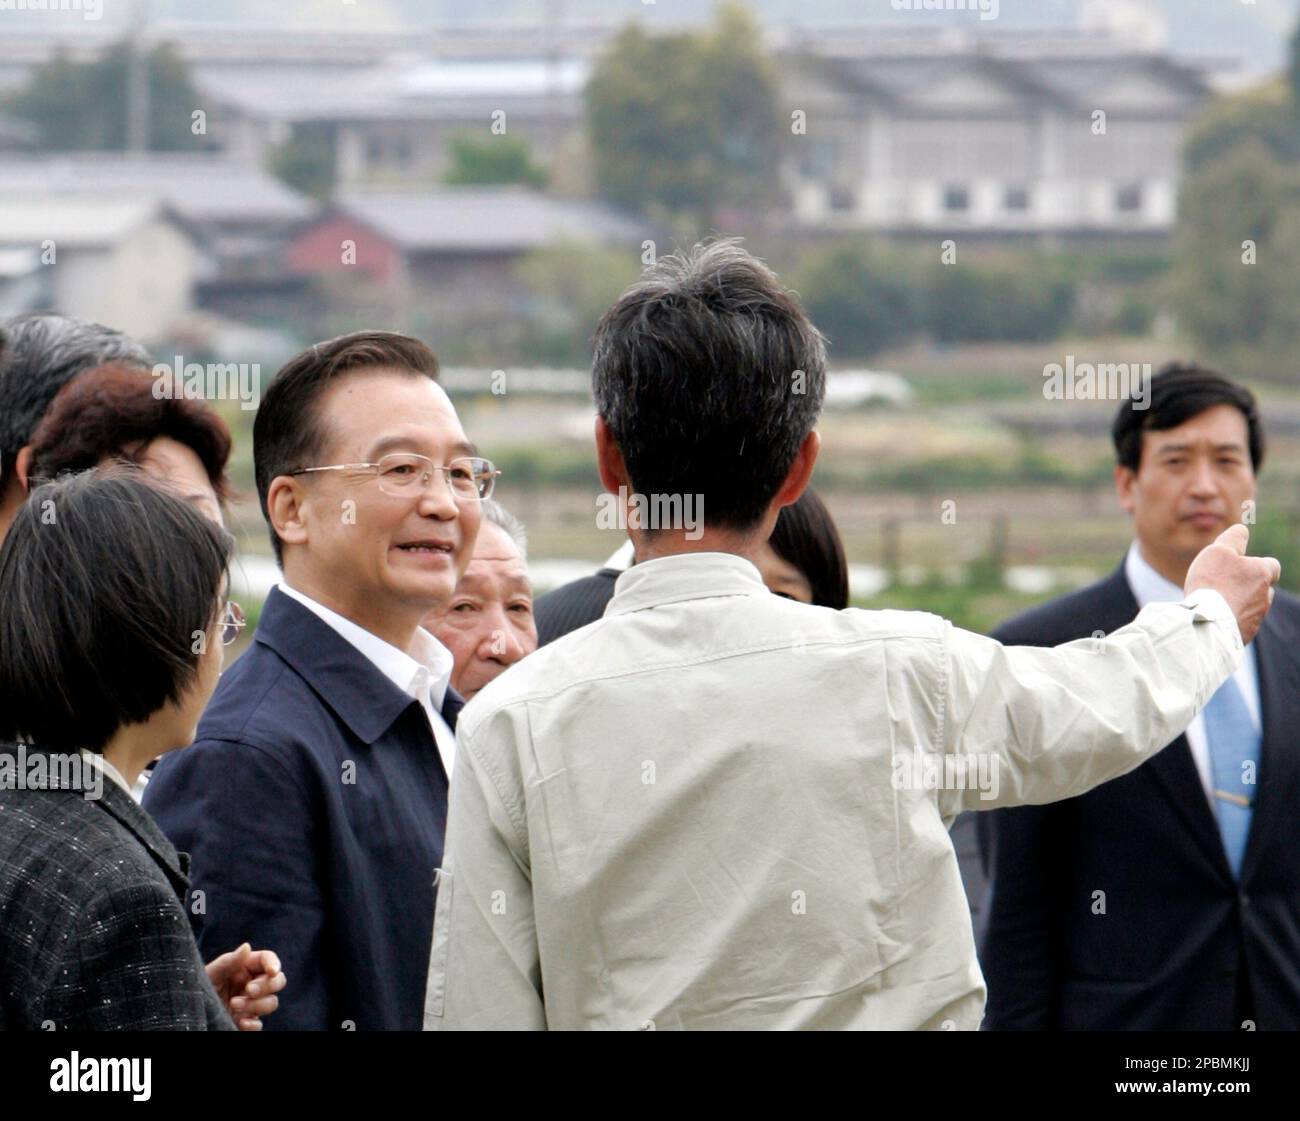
x=1180 y=391
x=105 y=579
x=710 y=376
x=805 y=536
x=287 y=432
x=43 y=352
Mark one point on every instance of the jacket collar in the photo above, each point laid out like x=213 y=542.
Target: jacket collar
x=117 y=803
x=681 y=577
x=345 y=679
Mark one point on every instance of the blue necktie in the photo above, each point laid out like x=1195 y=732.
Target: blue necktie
x=1233 y=742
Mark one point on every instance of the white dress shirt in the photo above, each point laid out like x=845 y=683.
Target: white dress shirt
x=689 y=814
x=1148 y=586
x=424 y=674
x=96 y=759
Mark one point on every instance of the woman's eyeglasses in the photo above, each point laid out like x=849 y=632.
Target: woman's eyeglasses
x=232 y=622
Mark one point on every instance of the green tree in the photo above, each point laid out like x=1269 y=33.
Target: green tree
x=1236 y=274
x=307 y=161
x=572 y=285
x=859 y=298
x=83 y=105
x=688 y=122
x=1235 y=280
x=1267 y=115
x=1026 y=299
x=492 y=159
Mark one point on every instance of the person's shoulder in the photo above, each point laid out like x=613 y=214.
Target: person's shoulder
x=573 y=605
x=1063 y=619
x=550 y=672
x=582 y=588
x=261 y=702
x=69 y=843
x=885 y=622
x=544 y=671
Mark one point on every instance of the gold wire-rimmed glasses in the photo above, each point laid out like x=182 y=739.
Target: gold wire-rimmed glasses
x=405 y=474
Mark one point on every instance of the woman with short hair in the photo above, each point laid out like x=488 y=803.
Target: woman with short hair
x=112 y=622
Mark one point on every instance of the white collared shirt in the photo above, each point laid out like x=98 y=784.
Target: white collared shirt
x=97 y=759
x=1148 y=586
x=713 y=808
x=425 y=676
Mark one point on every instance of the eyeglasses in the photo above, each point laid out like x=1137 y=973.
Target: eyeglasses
x=232 y=622
x=405 y=475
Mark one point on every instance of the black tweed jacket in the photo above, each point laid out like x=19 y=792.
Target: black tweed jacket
x=93 y=930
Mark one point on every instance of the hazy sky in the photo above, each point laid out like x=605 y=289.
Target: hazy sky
x=1255 y=32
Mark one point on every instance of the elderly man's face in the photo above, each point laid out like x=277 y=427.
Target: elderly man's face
x=488 y=623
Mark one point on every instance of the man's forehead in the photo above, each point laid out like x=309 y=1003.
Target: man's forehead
x=1220 y=427
x=492 y=568
x=392 y=410
x=494 y=565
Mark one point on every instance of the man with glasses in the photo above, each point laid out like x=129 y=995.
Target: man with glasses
x=314 y=801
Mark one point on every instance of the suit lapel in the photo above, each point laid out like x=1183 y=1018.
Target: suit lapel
x=1173 y=769
x=1279 y=686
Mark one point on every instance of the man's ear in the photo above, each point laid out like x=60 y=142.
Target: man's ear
x=800 y=473
x=285 y=510
x=23 y=466
x=1125 y=484
x=609 y=459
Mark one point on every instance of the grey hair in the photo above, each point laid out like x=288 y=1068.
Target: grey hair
x=42 y=353
x=499 y=516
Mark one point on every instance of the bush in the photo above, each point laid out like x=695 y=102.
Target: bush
x=860 y=298
x=1025 y=300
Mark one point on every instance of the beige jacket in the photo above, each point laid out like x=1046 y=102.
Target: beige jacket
x=718 y=808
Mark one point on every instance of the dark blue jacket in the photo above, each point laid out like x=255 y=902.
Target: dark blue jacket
x=1182 y=945
x=313 y=805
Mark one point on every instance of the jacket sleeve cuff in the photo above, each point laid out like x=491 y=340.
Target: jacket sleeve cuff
x=1208 y=606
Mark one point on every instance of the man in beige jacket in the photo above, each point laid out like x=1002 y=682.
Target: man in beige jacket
x=717 y=808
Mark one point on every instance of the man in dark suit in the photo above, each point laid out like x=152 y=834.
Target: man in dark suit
x=314 y=799
x=1168 y=898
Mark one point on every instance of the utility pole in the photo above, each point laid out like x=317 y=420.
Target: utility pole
x=554 y=78
x=137 y=82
